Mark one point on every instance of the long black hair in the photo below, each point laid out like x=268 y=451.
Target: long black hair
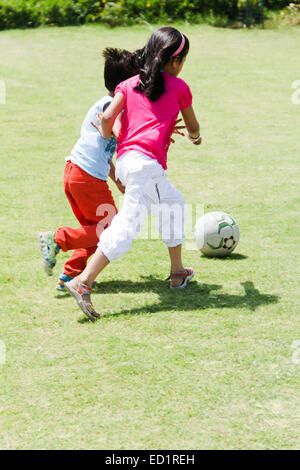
x=157 y=52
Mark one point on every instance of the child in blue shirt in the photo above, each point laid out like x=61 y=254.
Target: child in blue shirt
x=85 y=181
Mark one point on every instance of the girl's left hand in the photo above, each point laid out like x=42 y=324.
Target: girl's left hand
x=177 y=129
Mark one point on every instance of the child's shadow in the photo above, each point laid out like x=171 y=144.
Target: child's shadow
x=195 y=297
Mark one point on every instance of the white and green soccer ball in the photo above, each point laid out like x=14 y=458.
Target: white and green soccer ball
x=216 y=234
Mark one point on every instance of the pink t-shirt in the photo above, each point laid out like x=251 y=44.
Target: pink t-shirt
x=147 y=126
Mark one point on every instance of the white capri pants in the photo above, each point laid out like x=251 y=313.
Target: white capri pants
x=148 y=190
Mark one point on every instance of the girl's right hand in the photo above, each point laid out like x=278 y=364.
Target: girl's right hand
x=99 y=126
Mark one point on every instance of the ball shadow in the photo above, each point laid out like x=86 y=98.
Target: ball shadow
x=232 y=257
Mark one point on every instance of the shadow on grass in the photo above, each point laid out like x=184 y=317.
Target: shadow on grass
x=196 y=297
x=119 y=286
x=62 y=295
x=232 y=257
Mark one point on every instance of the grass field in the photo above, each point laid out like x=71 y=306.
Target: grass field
x=213 y=367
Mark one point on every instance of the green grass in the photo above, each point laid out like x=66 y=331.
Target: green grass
x=210 y=367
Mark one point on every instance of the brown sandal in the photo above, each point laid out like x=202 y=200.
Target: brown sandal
x=185 y=275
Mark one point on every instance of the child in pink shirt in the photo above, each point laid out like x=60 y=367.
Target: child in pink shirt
x=147 y=127
x=150 y=103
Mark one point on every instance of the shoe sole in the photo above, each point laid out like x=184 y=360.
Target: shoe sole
x=81 y=303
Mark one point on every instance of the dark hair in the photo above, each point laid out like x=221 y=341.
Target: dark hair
x=157 y=52
x=119 y=66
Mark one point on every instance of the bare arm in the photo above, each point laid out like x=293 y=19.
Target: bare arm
x=112 y=172
x=117 y=126
x=110 y=114
x=109 y=122
x=112 y=175
x=192 y=125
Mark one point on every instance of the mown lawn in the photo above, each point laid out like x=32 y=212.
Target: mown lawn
x=215 y=366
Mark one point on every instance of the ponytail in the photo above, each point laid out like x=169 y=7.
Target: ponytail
x=162 y=45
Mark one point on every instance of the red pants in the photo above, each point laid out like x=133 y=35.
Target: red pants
x=94 y=207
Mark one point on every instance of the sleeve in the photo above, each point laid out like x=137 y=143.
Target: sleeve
x=121 y=88
x=106 y=104
x=185 y=96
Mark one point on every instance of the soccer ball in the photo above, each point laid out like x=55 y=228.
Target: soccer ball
x=216 y=234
